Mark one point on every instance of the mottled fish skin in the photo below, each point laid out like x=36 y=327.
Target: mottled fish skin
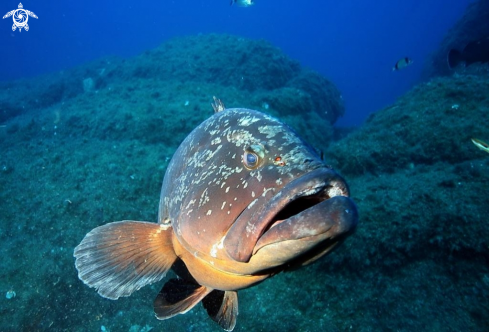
x=207 y=187
x=243 y=199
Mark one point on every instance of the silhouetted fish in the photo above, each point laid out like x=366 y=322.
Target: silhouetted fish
x=243 y=199
x=475 y=51
x=243 y=3
x=402 y=63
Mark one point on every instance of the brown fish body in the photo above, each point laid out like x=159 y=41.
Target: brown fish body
x=243 y=198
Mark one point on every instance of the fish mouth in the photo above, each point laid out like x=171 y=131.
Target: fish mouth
x=310 y=208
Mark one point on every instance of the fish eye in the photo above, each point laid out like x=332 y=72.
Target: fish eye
x=252 y=156
x=250 y=159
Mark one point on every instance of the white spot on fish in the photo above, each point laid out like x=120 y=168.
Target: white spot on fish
x=209 y=212
x=216 y=141
x=247 y=120
x=252 y=203
x=250 y=228
x=270 y=131
x=211 y=154
x=204 y=198
x=213 y=252
x=192 y=202
x=163 y=227
x=219 y=245
x=259 y=177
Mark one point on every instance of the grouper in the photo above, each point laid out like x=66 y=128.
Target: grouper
x=243 y=198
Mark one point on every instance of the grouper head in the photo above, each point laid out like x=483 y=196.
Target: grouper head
x=246 y=196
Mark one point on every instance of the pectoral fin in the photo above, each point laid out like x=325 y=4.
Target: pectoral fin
x=121 y=257
x=177 y=297
x=222 y=307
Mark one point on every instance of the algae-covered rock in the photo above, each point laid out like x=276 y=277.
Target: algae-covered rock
x=253 y=66
x=325 y=97
x=419 y=180
x=473 y=26
x=26 y=95
x=421 y=190
x=220 y=59
x=433 y=123
x=250 y=67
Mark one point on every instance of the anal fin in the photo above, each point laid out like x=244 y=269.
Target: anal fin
x=222 y=307
x=121 y=257
x=177 y=297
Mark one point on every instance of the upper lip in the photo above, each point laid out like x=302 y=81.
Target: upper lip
x=295 y=197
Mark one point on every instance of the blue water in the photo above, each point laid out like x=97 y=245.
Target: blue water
x=352 y=43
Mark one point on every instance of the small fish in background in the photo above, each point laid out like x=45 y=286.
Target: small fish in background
x=481 y=144
x=475 y=51
x=243 y=3
x=401 y=64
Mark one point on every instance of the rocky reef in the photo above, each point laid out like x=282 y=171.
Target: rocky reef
x=431 y=124
x=421 y=249
x=90 y=146
x=172 y=87
x=473 y=26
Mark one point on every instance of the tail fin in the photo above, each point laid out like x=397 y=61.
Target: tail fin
x=455 y=58
x=121 y=257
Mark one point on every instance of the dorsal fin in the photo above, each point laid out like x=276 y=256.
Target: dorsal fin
x=177 y=297
x=218 y=105
x=121 y=257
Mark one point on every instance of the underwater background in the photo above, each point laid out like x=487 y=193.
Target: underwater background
x=96 y=97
